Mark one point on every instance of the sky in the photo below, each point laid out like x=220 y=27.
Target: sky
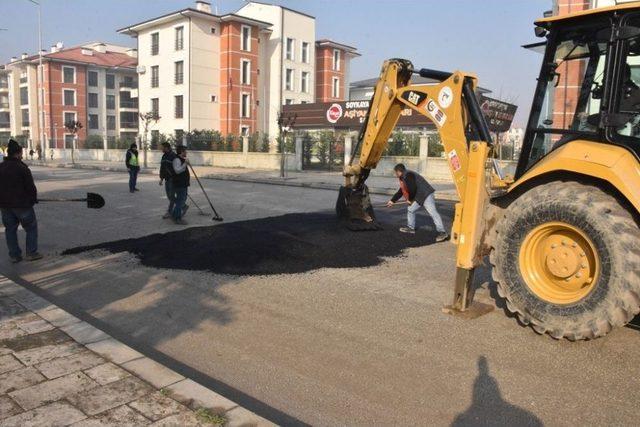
x=478 y=36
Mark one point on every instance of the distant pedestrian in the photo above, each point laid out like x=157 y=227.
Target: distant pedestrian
x=31 y=153
x=39 y=151
x=18 y=194
x=180 y=183
x=133 y=166
x=418 y=192
x=51 y=152
x=166 y=175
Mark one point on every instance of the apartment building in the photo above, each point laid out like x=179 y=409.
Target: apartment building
x=233 y=72
x=94 y=84
x=5 y=110
x=198 y=70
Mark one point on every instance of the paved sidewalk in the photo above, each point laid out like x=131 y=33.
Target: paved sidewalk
x=445 y=190
x=56 y=370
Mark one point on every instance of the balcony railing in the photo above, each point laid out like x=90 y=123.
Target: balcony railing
x=128 y=104
x=179 y=78
x=129 y=125
x=4 y=125
x=155 y=81
x=128 y=85
x=179 y=44
x=155 y=48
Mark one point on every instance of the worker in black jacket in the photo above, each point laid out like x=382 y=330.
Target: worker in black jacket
x=181 y=179
x=18 y=194
x=418 y=192
x=166 y=176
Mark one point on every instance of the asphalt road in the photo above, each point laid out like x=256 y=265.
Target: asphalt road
x=352 y=346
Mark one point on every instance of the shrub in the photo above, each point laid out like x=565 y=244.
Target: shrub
x=94 y=141
x=435 y=146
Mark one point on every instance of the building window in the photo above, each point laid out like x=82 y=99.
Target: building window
x=288 y=79
x=128 y=120
x=111 y=122
x=111 y=81
x=93 y=121
x=155 y=137
x=155 y=43
x=155 y=107
x=69 y=117
x=69 y=140
x=304 y=82
x=179 y=72
x=214 y=98
x=245 y=71
x=288 y=101
x=25 y=117
x=92 y=79
x=111 y=102
x=69 y=97
x=155 y=76
x=305 y=52
x=179 y=107
x=290 y=49
x=24 y=95
x=129 y=82
x=68 y=75
x=335 y=87
x=179 y=38
x=245 y=42
x=93 y=100
x=245 y=105
x=336 y=60
x=213 y=30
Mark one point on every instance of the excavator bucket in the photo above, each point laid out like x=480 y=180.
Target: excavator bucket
x=354 y=207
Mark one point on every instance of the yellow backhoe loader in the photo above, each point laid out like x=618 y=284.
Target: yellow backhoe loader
x=562 y=233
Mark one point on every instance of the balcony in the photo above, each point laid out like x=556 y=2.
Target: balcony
x=129 y=125
x=125 y=85
x=179 y=78
x=130 y=104
x=5 y=125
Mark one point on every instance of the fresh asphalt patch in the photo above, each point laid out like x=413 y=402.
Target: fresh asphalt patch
x=292 y=243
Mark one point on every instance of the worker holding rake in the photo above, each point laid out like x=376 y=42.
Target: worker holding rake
x=180 y=183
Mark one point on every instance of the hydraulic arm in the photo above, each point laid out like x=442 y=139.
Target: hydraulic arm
x=452 y=106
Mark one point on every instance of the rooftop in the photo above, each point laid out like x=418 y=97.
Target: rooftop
x=331 y=43
x=75 y=54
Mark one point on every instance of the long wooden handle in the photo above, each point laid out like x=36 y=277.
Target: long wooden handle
x=62 y=200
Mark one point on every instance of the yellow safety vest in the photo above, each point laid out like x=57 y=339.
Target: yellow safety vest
x=133 y=160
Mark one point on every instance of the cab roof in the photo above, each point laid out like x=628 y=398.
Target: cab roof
x=589 y=12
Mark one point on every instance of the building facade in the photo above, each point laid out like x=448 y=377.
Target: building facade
x=94 y=84
x=332 y=70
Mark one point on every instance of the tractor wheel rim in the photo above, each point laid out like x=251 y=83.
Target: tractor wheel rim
x=559 y=263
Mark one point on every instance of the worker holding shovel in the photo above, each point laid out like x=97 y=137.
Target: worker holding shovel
x=18 y=194
x=166 y=176
x=180 y=183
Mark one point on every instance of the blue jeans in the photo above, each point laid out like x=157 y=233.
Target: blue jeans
x=430 y=206
x=181 y=200
x=171 y=194
x=11 y=218
x=133 y=178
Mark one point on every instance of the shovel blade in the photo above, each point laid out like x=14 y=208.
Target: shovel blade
x=94 y=201
x=354 y=206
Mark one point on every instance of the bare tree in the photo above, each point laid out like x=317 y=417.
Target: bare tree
x=147 y=119
x=73 y=126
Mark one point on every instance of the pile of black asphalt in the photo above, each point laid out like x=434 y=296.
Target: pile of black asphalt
x=291 y=243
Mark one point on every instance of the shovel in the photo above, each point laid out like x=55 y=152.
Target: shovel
x=94 y=200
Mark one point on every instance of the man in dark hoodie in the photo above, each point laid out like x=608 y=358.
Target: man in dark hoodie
x=418 y=193
x=166 y=176
x=133 y=166
x=18 y=194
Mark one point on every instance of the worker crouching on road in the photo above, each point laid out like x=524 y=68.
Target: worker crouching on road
x=166 y=176
x=418 y=192
x=133 y=166
x=18 y=194
x=180 y=183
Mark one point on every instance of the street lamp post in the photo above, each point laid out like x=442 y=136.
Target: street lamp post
x=40 y=77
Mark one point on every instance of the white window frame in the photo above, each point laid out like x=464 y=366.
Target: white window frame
x=73 y=140
x=290 y=85
x=157 y=67
x=336 y=64
x=246 y=48
x=115 y=122
x=115 y=84
x=248 y=76
x=97 y=97
x=64 y=113
x=151 y=43
x=106 y=104
x=248 y=95
x=151 y=104
x=302 y=80
x=89 y=121
x=335 y=87
x=175 y=107
x=75 y=74
x=175 y=37
x=75 y=97
x=97 y=78
x=303 y=50
x=290 y=56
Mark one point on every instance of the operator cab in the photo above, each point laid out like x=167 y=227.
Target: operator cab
x=589 y=83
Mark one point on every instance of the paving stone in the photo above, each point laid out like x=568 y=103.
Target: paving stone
x=53 y=415
x=22 y=378
x=22 y=324
x=120 y=416
x=240 y=417
x=36 y=340
x=106 y=373
x=9 y=308
x=84 y=333
x=152 y=372
x=194 y=395
x=60 y=366
x=114 y=350
x=8 y=287
x=181 y=419
x=36 y=326
x=40 y=354
x=102 y=398
x=58 y=317
x=8 y=407
x=9 y=363
x=50 y=391
x=155 y=406
x=31 y=301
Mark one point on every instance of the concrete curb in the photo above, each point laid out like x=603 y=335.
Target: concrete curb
x=444 y=196
x=172 y=384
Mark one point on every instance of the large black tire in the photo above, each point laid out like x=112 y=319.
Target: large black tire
x=613 y=300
